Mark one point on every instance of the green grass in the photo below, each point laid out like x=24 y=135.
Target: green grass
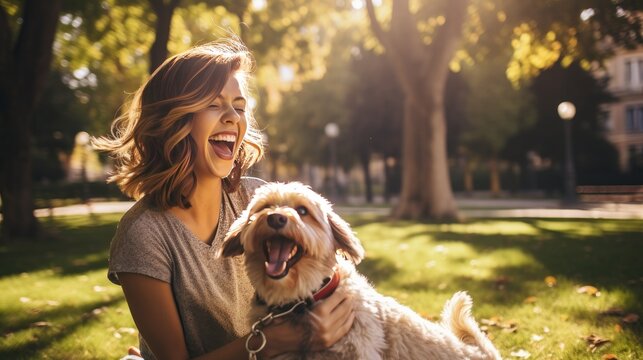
x=501 y=263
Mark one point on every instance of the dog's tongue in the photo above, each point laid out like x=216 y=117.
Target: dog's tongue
x=280 y=249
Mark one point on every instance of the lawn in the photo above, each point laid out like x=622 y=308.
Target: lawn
x=524 y=276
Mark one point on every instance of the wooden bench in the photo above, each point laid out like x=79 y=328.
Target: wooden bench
x=610 y=193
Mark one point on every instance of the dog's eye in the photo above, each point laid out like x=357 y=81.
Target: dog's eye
x=301 y=210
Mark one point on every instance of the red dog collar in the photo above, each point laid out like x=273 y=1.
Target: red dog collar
x=329 y=288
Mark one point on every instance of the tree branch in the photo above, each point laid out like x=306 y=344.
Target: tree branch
x=393 y=53
x=33 y=49
x=446 y=40
x=379 y=33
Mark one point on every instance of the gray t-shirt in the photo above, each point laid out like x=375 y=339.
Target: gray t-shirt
x=212 y=295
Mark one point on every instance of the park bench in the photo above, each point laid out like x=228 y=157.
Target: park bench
x=611 y=193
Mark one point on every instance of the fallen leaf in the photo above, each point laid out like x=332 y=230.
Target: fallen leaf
x=522 y=354
x=530 y=300
x=536 y=337
x=550 y=281
x=589 y=290
x=41 y=324
x=118 y=335
x=594 y=341
x=546 y=330
x=128 y=330
x=99 y=310
x=618 y=328
x=609 y=357
x=630 y=318
x=24 y=299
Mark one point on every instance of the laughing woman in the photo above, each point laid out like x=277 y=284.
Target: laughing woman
x=181 y=150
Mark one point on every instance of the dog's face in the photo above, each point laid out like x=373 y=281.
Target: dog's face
x=289 y=236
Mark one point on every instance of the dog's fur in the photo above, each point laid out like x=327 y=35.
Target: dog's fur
x=383 y=328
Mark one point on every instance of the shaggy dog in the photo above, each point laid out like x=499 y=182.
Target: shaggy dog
x=292 y=242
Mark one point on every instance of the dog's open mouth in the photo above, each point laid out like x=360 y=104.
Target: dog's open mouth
x=281 y=254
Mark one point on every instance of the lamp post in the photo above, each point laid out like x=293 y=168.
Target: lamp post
x=566 y=111
x=332 y=131
x=82 y=139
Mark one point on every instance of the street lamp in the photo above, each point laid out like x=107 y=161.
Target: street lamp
x=332 y=131
x=82 y=139
x=566 y=111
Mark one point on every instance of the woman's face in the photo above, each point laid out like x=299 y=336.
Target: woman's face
x=218 y=131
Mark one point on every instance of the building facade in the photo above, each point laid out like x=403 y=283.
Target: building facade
x=624 y=125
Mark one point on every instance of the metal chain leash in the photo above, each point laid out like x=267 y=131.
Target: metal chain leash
x=260 y=324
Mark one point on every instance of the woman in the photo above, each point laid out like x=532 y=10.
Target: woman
x=181 y=149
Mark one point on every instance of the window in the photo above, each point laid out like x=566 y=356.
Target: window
x=634 y=118
x=629 y=119
x=633 y=72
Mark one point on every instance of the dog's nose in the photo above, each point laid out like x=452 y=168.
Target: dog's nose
x=277 y=221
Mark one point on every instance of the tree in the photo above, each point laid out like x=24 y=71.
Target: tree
x=420 y=51
x=421 y=70
x=594 y=156
x=495 y=111
x=375 y=110
x=24 y=66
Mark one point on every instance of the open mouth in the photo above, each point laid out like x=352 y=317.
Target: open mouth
x=223 y=145
x=281 y=254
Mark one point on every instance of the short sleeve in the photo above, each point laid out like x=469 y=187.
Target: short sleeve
x=139 y=248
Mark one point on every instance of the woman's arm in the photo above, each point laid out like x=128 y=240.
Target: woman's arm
x=152 y=306
x=154 y=311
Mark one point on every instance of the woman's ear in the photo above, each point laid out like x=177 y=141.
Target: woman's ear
x=345 y=239
x=232 y=242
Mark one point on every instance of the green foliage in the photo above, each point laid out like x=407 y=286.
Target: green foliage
x=495 y=109
x=375 y=104
x=594 y=156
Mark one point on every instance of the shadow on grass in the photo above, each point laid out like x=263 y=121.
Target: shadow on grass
x=58 y=329
x=602 y=253
x=83 y=247
x=377 y=269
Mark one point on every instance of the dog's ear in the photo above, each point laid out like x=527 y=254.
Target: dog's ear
x=345 y=238
x=232 y=242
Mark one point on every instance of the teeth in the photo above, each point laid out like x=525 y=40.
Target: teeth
x=223 y=137
x=293 y=252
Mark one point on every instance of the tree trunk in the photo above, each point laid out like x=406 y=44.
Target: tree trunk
x=164 y=13
x=494 y=177
x=24 y=68
x=421 y=71
x=365 y=160
x=468 y=177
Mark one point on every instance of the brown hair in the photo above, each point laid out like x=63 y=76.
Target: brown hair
x=150 y=143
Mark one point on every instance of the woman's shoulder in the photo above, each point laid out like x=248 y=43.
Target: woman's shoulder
x=140 y=215
x=249 y=184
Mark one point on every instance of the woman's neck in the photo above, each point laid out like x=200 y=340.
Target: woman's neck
x=205 y=205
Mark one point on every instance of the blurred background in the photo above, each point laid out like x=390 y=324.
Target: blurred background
x=411 y=105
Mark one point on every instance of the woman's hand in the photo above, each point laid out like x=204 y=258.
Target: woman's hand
x=331 y=319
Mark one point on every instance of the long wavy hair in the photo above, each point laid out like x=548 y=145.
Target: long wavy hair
x=153 y=153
